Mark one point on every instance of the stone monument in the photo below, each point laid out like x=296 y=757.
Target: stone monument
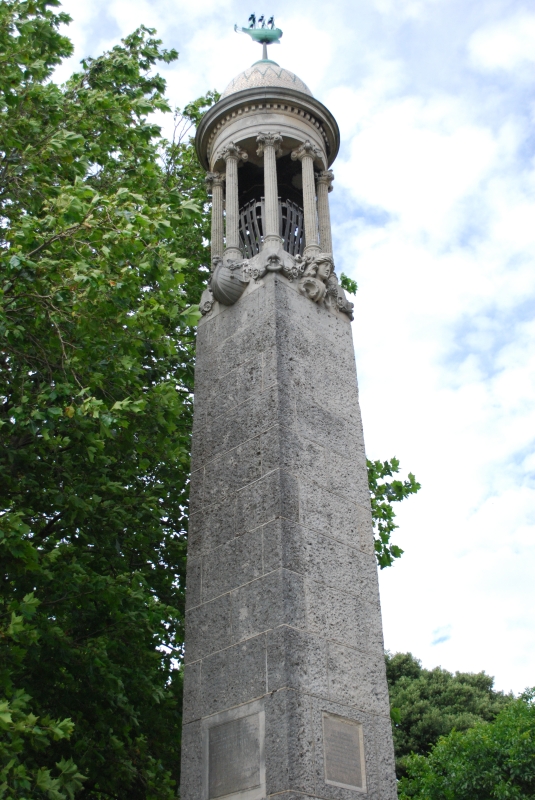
x=284 y=682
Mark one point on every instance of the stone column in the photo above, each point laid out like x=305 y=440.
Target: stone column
x=214 y=182
x=324 y=186
x=306 y=155
x=269 y=145
x=232 y=155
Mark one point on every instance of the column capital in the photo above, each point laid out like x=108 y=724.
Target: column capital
x=213 y=179
x=326 y=177
x=232 y=150
x=264 y=140
x=306 y=149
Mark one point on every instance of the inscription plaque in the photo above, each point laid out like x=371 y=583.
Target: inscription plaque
x=234 y=756
x=343 y=749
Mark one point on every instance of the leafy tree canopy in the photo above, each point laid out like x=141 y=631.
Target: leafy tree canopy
x=491 y=761
x=431 y=703
x=103 y=242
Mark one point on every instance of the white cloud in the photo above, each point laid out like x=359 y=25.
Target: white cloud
x=506 y=44
x=446 y=355
x=412 y=9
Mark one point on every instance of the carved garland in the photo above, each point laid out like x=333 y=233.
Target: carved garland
x=315 y=278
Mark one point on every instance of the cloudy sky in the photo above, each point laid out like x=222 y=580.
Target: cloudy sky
x=434 y=216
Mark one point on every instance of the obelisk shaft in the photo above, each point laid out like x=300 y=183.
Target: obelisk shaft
x=284 y=686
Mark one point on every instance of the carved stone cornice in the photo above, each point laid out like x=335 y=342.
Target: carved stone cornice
x=213 y=179
x=264 y=140
x=326 y=177
x=306 y=149
x=232 y=150
x=265 y=99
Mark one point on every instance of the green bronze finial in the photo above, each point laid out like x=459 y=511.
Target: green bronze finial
x=261 y=32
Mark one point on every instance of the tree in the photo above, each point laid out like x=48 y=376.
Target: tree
x=383 y=494
x=103 y=247
x=493 y=761
x=431 y=703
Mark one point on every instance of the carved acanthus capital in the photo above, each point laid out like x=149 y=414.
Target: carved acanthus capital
x=214 y=179
x=264 y=140
x=232 y=150
x=326 y=177
x=307 y=149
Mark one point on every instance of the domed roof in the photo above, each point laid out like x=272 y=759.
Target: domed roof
x=266 y=73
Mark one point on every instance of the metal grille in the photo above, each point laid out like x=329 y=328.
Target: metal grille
x=290 y=227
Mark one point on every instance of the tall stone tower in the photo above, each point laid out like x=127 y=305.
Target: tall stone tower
x=284 y=687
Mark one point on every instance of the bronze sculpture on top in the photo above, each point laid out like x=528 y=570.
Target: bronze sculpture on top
x=267 y=146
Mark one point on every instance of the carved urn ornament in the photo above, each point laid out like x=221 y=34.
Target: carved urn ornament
x=267 y=146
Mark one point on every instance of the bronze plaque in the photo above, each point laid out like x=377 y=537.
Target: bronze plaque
x=234 y=756
x=343 y=752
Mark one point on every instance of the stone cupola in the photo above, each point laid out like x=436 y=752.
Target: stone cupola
x=267 y=146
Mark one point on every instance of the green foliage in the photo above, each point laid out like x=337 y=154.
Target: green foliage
x=23 y=736
x=348 y=284
x=432 y=703
x=383 y=494
x=103 y=250
x=491 y=761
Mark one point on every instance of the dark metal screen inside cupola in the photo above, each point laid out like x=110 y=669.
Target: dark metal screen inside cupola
x=251 y=200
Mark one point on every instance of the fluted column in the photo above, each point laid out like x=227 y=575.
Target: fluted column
x=306 y=155
x=232 y=154
x=214 y=182
x=324 y=186
x=269 y=145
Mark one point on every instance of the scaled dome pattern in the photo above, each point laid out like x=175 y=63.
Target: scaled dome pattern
x=266 y=73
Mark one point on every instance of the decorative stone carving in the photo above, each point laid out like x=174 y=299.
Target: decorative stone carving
x=306 y=149
x=312 y=288
x=315 y=276
x=214 y=180
x=264 y=140
x=317 y=271
x=232 y=151
x=229 y=280
x=336 y=298
x=326 y=177
x=207 y=301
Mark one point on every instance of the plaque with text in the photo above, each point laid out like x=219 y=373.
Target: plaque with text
x=234 y=756
x=343 y=752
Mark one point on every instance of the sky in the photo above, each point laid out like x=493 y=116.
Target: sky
x=433 y=214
